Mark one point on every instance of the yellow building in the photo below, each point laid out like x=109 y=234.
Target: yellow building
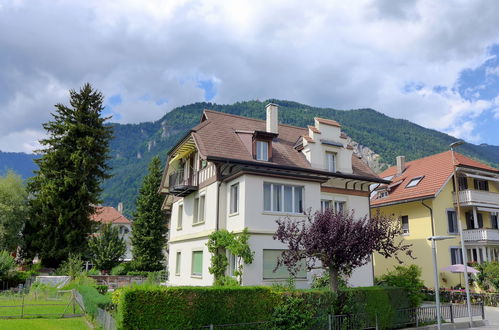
x=423 y=197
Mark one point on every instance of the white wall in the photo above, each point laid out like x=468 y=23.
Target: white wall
x=185 y=277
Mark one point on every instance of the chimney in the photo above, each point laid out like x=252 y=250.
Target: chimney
x=272 y=117
x=120 y=207
x=400 y=164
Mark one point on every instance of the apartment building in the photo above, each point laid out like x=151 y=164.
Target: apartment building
x=232 y=172
x=423 y=196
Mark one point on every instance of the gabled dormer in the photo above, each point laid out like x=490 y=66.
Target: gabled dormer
x=326 y=148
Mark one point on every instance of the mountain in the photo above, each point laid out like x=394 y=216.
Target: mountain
x=134 y=145
x=21 y=163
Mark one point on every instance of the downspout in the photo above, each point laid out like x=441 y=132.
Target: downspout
x=370 y=216
x=431 y=216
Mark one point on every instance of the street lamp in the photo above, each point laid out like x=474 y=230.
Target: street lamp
x=435 y=273
x=460 y=229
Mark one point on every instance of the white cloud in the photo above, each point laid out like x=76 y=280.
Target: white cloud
x=324 y=53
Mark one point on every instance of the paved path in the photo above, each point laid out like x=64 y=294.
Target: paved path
x=492 y=316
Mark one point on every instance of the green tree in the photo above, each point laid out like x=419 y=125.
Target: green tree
x=13 y=210
x=149 y=224
x=408 y=277
x=67 y=185
x=7 y=264
x=106 y=248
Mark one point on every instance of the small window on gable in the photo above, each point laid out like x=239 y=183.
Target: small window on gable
x=262 y=150
x=414 y=182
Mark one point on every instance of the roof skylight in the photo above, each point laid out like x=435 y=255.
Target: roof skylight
x=414 y=182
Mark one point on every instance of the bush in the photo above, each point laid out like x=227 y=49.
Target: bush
x=102 y=289
x=155 y=307
x=119 y=270
x=93 y=300
x=488 y=277
x=226 y=281
x=408 y=278
x=291 y=313
x=72 y=267
x=322 y=282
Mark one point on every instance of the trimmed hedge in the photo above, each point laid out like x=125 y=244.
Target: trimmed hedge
x=190 y=307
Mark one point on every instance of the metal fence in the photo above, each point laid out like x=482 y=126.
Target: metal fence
x=401 y=318
x=103 y=317
x=62 y=304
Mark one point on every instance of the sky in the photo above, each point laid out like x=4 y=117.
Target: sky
x=431 y=62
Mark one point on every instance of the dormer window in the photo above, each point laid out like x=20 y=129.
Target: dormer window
x=331 y=161
x=262 y=150
x=414 y=182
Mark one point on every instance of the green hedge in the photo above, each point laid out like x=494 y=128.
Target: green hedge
x=191 y=307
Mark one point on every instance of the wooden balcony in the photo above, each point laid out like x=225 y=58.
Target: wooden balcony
x=478 y=198
x=181 y=184
x=481 y=235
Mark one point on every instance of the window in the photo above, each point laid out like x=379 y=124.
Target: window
x=452 y=222
x=405 y=224
x=325 y=204
x=197 y=263
x=232 y=264
x=234 y=198
x=414 y=182
x=493 y=221
x=180 y=215
x=270 y=261
x=463 y=183
x=455 y=256
x=339 y=206
x=282 y=198
x=382 y=193
x=177 y=263
x=262 y=150
x=199 y=209
x=481 y=185
x=331 y=161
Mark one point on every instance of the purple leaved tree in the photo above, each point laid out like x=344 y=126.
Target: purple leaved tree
x=337 y=242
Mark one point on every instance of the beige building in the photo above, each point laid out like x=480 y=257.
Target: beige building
x=231 y=172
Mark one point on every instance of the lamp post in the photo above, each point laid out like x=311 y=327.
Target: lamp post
x=435 y=274
x=464 y=254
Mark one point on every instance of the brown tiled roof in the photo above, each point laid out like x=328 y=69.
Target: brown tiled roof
x=108 y=214
x=436 y=170
x=314 y=129
x=327 y=121
x=216 y=137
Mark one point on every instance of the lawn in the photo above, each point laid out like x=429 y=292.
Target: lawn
x=76 y=323
x=35 y=306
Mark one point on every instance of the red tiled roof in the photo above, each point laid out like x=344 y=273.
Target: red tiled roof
x=327 y=121
x=108 y=214
x=314 y=129
x=436 y=170
x=216 y=136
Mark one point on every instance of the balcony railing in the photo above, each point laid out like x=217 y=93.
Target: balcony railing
x=482 y=234
x=181 y=183
x=478 y=197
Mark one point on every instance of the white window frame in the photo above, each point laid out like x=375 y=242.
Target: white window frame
x=414 y=182
x=199 y=217
x=324 y=202
x=459 y=256
x=331 y=166
x=261 y=152
x=232 y=263
x=192 y=263
x=456 y=225
x=336 y=204
x=234 y=200
x=404 y=230
x=293 y=194
x=178 y=263
x=274 y=278
x=180 y=215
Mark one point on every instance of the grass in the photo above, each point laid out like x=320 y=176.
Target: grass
x=76 y=323
x=36 y=306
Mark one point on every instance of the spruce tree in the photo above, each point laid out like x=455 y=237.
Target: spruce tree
x=67 y=185
x=149 y=224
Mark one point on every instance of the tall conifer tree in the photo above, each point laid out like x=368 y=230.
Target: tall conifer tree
x=67 y=185
x=149 y=224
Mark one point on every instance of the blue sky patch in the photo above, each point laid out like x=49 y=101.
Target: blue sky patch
x=209 y=88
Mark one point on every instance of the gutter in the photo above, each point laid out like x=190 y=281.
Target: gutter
x=404 y=201
x=431 y=216
x=295 y=168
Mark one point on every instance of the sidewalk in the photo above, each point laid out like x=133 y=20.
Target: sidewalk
x=492 y=318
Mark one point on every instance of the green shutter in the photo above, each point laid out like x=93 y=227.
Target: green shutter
x=269 y=263
x=197 y=263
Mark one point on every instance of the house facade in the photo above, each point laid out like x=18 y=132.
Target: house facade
x=423 y=197
x=115 y=217
x=232 y=172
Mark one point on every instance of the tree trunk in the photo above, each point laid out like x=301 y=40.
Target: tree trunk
x=333 y=278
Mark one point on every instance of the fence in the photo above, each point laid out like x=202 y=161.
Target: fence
x=104 y=318
x=402 y=318
x=62 y=304
x=488 y=299
x=117 y=281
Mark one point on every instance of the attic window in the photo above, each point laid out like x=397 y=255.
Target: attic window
x=262 y=150
x=414 y=182
x=382 y=194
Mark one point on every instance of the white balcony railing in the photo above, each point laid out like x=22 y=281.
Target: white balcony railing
x=482 y=234
x=478 y=197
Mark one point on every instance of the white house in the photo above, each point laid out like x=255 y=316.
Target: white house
x=108 y=214
x=234 y=172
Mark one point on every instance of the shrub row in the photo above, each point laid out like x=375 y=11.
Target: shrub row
x=92 y=299
x=191 y=307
